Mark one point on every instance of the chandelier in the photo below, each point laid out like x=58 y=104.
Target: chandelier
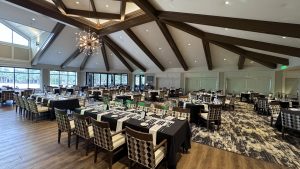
x=88 y=42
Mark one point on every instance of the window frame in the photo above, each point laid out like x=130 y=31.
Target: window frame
x=64 y=73
x=113 y=75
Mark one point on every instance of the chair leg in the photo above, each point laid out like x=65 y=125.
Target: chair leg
x=96 y=153
x=130 y=164
x=283 y=129
x=271 y=121
x=59 y=135
x=110 y=156
x=77 y=140
x=87 y=143
x=69 y=138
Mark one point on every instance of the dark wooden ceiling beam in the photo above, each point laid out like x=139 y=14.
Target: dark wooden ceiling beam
x=122 y=9
x=131 y=34
x=125 y=25
x=147 y=8
x=89 y=14
x=241 y=62
x=84 y=62
x=120 y=57
x=104 y=54
x=172 y=44
x=207 y=54
x=54 y=34
x=60 y=5
x=50 y=10
x=93 y=5
x=70 y=58
x=275 y=28
x=124 y=53
x=286 y=50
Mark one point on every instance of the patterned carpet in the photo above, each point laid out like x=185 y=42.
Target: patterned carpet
x=244 y=132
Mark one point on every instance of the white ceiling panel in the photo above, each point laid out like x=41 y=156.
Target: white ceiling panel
x=77 y=61
x=190 y=47
x=113 y=61
x=287 y=41
x=63 y=46
x=125 y=42
x=155 y=41
x=268 y=10
x=96 y=62
x=78 y=4
x=131 y=7
x=223 y=58
x=108 y=6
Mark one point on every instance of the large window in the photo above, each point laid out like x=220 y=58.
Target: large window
x=21 y=78
x=63 y=78
x=107 y=79
x=9 y=36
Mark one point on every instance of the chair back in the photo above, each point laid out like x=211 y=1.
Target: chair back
x=21 y=102
x=262 y=103
x=102 y=135
x=31 y=104
x=214 y=112
x=81 y=126
x=181 y=112
x=140 y=147
x=26 y=103
x=7 y=95
x=137 y=98
x=290 y=120
x=274 y=108
x=206 y=98
x=62 y=120
x=222 y=99
x=16 y=98
x=27 y=93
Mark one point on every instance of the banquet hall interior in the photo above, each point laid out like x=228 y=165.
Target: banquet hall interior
x=119 y=84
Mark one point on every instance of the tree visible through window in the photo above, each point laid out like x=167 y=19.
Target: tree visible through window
x=63 y=78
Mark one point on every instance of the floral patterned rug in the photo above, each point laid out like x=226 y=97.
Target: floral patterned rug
x=245 y=132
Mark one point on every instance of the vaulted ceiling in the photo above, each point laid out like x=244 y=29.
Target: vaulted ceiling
x=157 y=35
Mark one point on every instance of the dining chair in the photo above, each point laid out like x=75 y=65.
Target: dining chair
x=141 y=149
x=206 y=98
x=17 y=103
x=263 y=105
x=22 y=105
x=182 y=113
x=290 y=120
x=107 y=140
x=83 y=130
x=27 y=111
x=64 y=124
x=274 y=109
x=37 y=111
x=213 y=115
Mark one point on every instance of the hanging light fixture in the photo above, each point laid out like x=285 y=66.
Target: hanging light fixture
x=88 y=42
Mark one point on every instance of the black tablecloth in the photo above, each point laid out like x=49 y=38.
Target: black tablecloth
x=124 y=98
x=69 y=104
x=194 y=110
x=179 y=134
x=153 y=96
x=246 y=96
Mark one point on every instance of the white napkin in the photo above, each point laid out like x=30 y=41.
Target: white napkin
x=120 y=123
x=169 y=118
x=83 y=110
x=227 y=101
x=153 y=130
x=100 y=115
x=205 y=107
x=290 y=104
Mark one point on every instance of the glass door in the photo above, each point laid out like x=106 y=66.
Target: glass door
x=139 y=82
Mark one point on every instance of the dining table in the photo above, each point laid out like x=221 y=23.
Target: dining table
x=178 y=134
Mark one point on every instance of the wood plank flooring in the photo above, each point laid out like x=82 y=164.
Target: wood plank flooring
x=33 y=145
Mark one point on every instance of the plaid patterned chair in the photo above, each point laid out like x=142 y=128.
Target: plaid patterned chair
x=64 y=124
x=105 y=139
x=206 y=98
x=142 y=151
x=37 y=111
x=274 y=109
x=263 y=105
x=16 y=98
x=83 y=130
x=213 y=116
x=182 y=113
x=22 y=105
x=290 y=120
x=27 y=110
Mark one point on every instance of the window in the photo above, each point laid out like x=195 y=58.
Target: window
x=9 y=36
x=107 y=79
x=63 y=78
x=21 y=78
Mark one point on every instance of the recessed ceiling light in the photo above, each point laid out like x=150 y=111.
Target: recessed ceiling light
x=147 y=30
x=226 y=29
x=189 y=44
x=121 y=37
x=225 y=59
x=33 y=19
x=284 y=37
x=227 y=3
x=111 y=54
x=251 y=62
x=106 y=5
x=59 y=52
x=159 y=48
x=196 y=61
x=77 y=2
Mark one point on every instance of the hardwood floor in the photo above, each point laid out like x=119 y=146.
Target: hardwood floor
x=33 y=145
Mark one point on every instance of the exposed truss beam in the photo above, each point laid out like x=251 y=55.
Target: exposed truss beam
x=54 y=34
x=85 y=60
x=89 y=14
x=124 y=53
x=50 y=10
x=60 y=5
x=70 y=58
x=104 y=54
x=241 y=62
x=119 y=56
x=207 y=54
x=147 y=8
x=125 y=25
x=122 y=9
x=172 y=44
x=93 y=5
x=286 y=50
x=131 y=34
x=276 y=28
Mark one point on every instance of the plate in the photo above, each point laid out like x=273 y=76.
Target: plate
x=159 y=114
x=114 y=115
x=181 y=118
x=144 y=124
x=150 y=114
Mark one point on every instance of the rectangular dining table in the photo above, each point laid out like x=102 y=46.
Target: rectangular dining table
x=178 y=135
